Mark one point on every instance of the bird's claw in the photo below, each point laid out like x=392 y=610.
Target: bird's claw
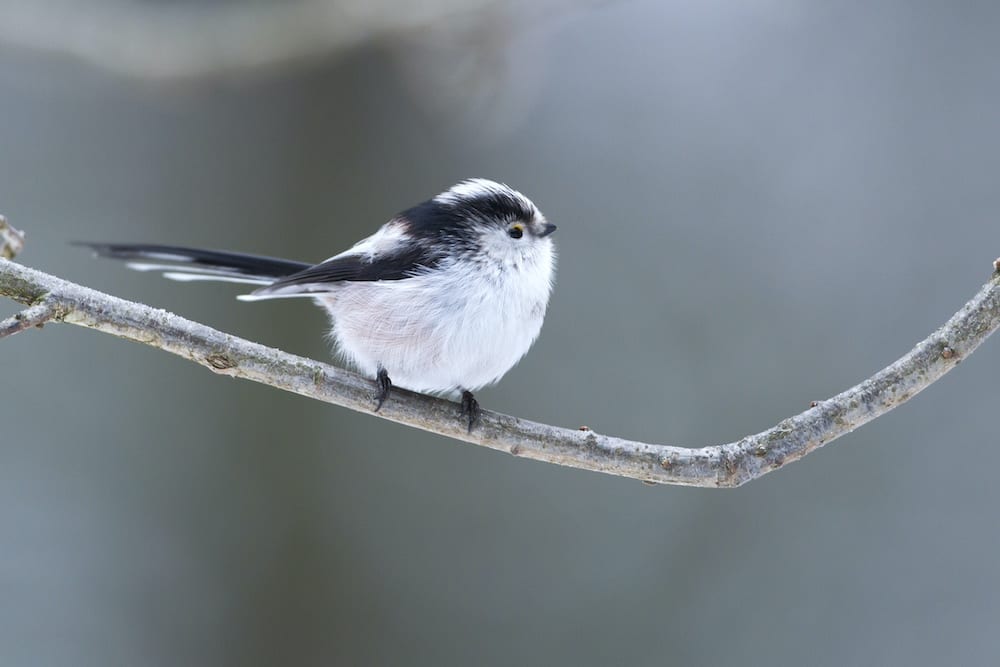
x=383 y=388
x=470 y=409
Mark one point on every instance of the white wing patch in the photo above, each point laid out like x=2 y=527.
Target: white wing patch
x=390 y=236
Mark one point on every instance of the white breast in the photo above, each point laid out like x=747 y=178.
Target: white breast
x=454 y=328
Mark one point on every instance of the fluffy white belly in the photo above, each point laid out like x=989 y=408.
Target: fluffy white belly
x=438 y=333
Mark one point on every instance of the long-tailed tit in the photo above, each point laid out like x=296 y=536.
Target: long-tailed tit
x=444 y=298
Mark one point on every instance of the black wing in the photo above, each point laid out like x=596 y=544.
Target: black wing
x=391 y=266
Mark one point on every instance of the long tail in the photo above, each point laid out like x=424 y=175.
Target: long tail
x=186 y=264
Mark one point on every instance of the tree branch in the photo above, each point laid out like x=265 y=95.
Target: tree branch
x=159 y=40
x=729 y=465
x=35 y=316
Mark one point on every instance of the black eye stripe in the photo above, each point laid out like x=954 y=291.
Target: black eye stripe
x=497 y=206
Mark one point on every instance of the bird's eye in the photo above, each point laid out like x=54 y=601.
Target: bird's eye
x=516 y=232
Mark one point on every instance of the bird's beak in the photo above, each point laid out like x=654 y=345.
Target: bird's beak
x=547 y=229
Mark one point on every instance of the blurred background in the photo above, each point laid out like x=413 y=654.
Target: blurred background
x=759 y=204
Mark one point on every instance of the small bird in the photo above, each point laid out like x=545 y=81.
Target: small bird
x=445 y=298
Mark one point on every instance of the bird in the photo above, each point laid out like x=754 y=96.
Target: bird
x=444 y=298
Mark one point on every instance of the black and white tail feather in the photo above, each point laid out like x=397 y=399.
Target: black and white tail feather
x=189 y=264
x=444 y=298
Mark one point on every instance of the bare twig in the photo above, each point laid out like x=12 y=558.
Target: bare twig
x=714 y=466
x=198 y=39
x=33 y=316
x=11 y=240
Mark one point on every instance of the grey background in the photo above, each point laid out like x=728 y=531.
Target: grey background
x=759 y=204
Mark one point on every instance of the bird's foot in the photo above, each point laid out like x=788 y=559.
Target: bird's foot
x=383 y=388
x=470 y=408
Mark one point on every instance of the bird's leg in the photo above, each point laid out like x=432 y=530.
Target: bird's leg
x=383 y=387
x=470 y=408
